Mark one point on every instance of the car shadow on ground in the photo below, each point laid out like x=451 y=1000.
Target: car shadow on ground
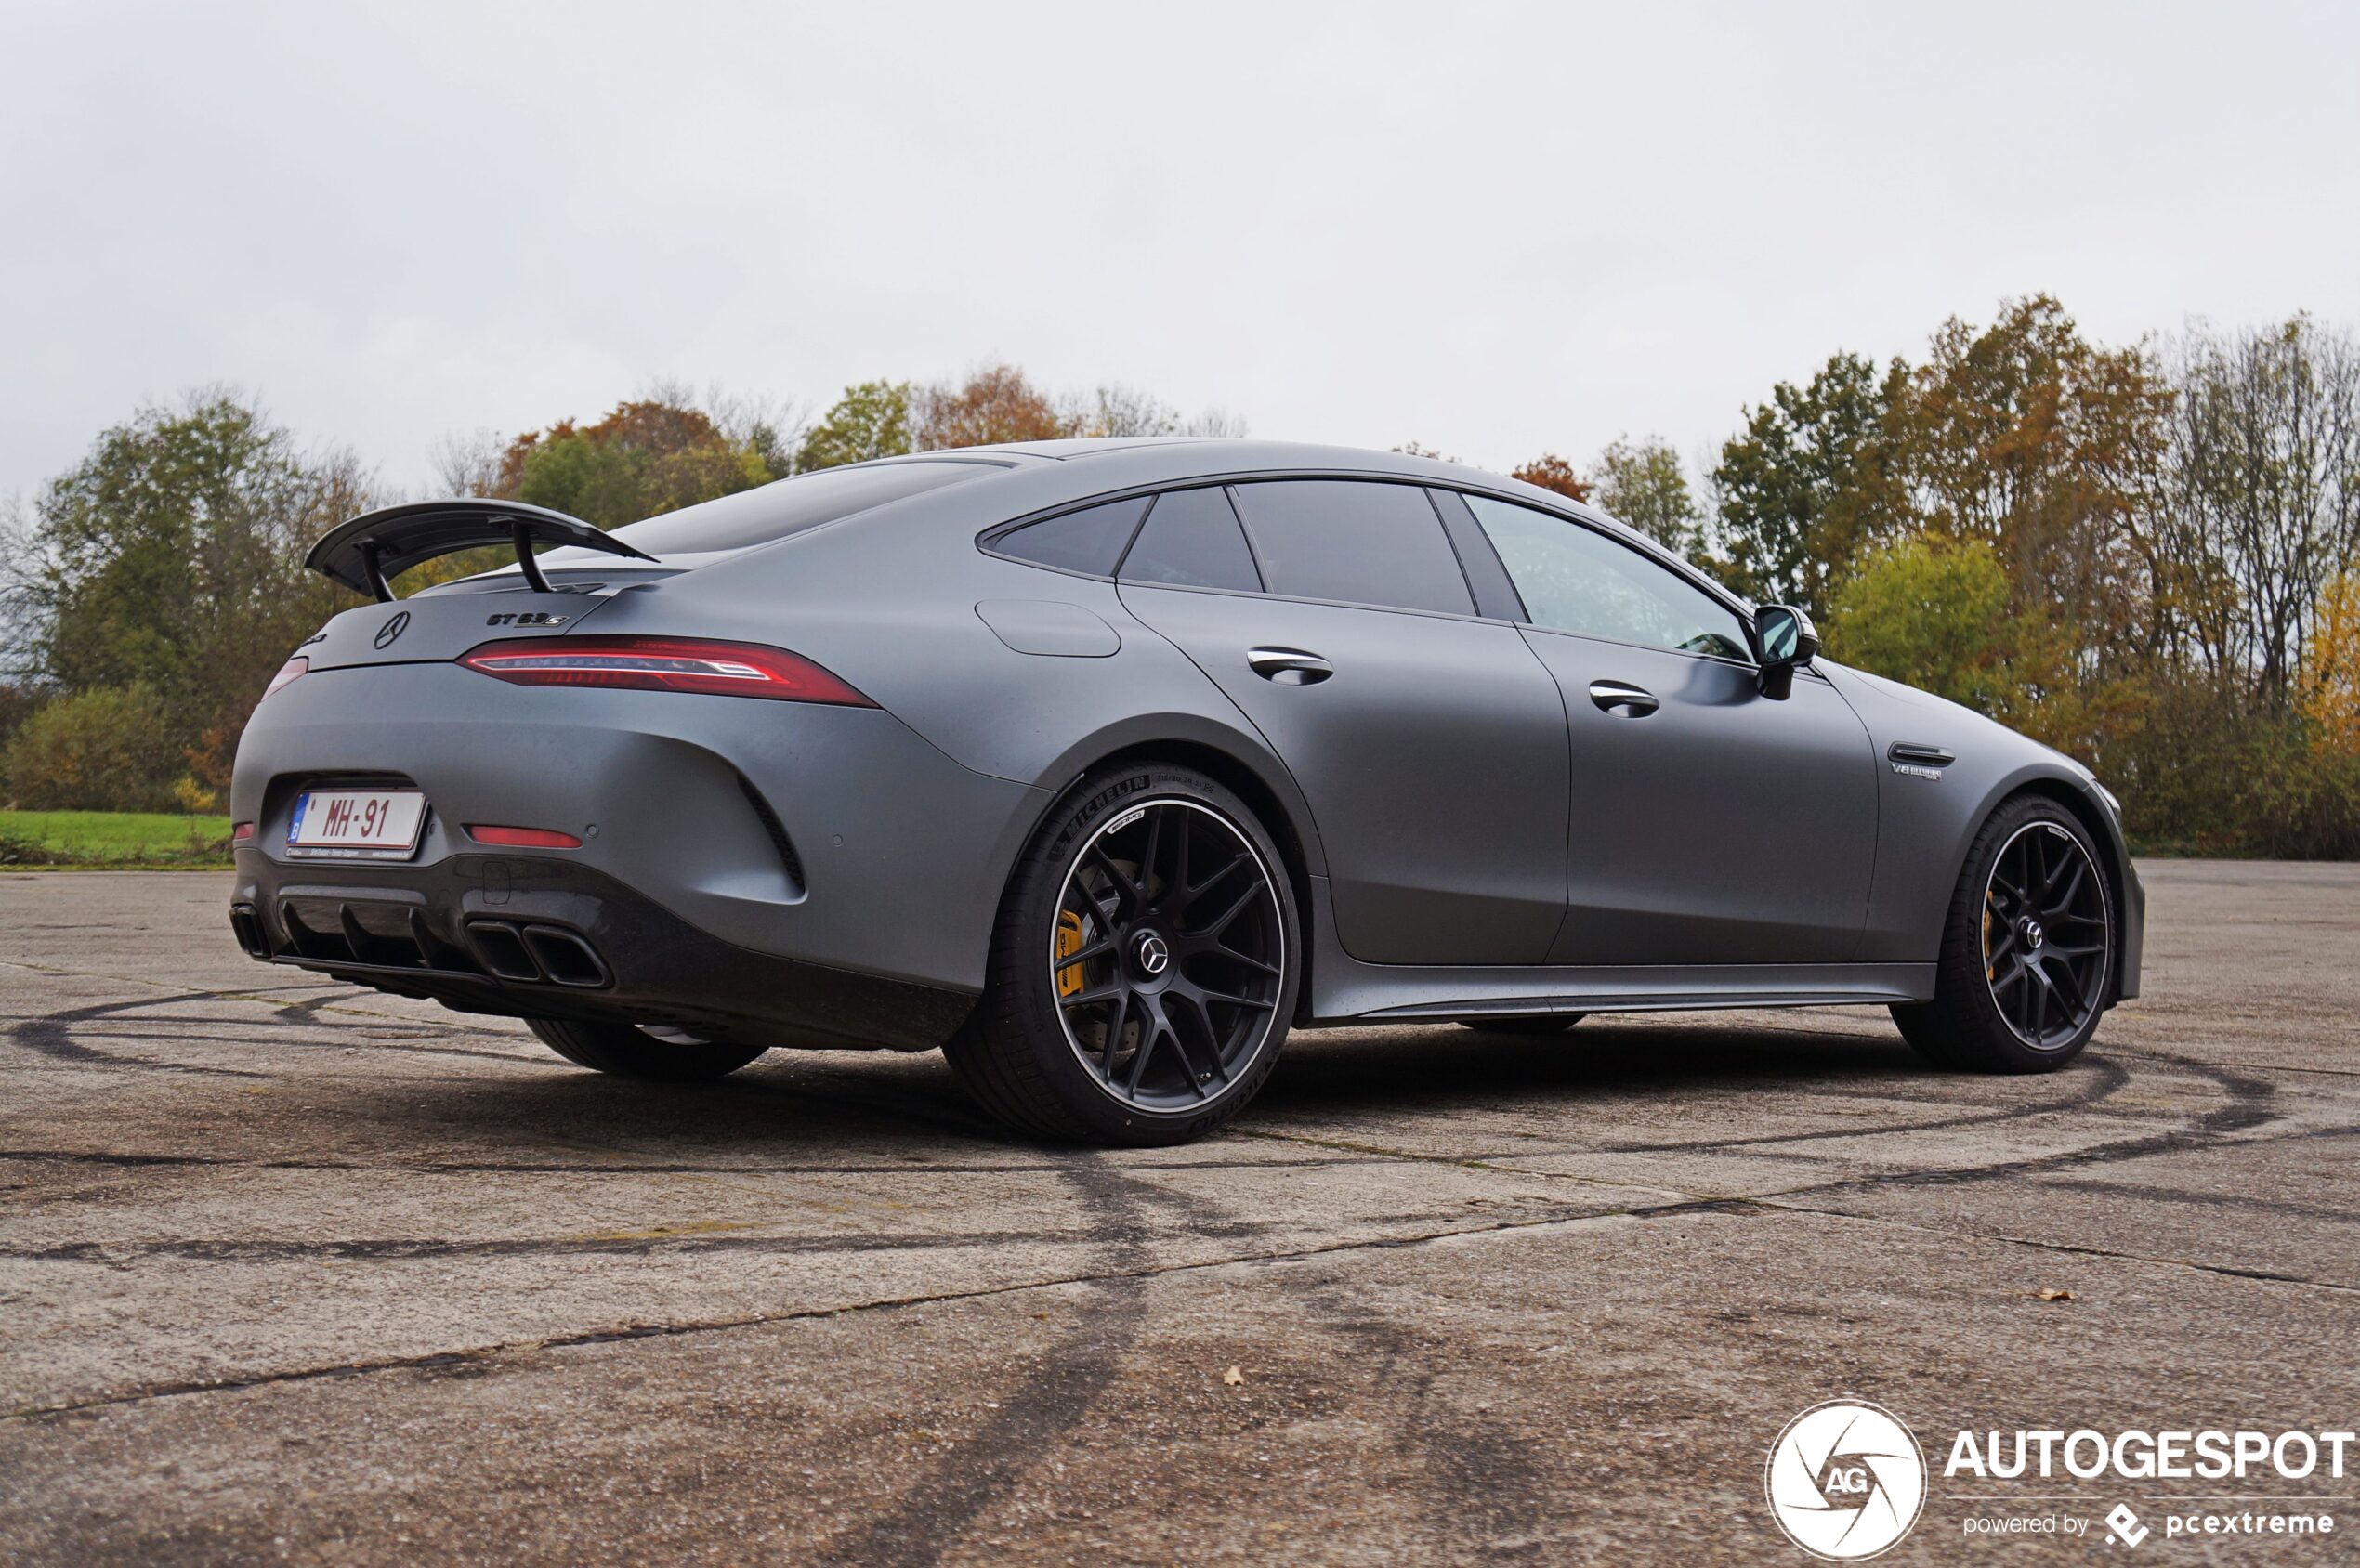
x=909 y=1108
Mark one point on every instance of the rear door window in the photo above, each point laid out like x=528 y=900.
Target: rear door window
x=1360 y=542
x=1090 y=541
x=1191 y=540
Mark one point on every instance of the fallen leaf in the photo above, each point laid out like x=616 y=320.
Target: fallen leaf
x=2053 y=1294
x=1233 y=1376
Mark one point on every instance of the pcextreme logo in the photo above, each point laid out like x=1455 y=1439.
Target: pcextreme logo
x=1846 y=1480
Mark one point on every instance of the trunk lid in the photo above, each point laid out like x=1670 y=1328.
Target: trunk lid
x=440 y=627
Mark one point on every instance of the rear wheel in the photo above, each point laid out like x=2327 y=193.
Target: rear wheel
x=2027 y=951
x=1144 y=967
x=627 y=1051
x=1525 y=1023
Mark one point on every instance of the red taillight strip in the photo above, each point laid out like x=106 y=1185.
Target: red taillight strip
x=522 y=838
x=715 y=668
x=287 y=676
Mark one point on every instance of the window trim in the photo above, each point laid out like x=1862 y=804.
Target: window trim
x=1573 y=513
x=988 y=541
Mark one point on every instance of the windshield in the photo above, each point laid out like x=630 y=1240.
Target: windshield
x=774 y=510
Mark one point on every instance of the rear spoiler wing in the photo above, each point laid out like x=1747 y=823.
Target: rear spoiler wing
x=366 y=553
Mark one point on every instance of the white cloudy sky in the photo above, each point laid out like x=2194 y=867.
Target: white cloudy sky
x=1492 y=229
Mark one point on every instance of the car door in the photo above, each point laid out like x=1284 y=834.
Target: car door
x=1429 y=743
x=1712 y=824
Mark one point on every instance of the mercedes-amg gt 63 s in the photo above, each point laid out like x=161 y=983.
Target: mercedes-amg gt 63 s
x=1100 y=764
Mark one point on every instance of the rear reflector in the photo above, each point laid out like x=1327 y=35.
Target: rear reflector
x=242 y=832
x=663 y=664
x=523 y=838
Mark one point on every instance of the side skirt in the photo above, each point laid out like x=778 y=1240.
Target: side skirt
x=1345 y=990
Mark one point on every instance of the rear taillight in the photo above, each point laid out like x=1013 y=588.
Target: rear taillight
x=289 y=673
x=663 y=664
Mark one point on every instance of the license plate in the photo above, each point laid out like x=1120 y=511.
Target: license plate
x=357 y=824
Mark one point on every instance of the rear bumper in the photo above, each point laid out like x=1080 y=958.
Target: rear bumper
x=830 y=837
x=539 y=938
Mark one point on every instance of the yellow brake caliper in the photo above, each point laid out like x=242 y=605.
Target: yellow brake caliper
x=1068 y=944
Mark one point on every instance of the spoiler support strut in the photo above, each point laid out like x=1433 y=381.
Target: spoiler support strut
x=366 y=554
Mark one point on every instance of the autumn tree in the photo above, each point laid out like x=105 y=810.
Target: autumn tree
x=2328 y=689
x=1554 y=473
x=648 y=456
x=995 y=404
x=2026 y=436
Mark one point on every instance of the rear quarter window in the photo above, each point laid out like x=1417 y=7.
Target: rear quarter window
x=1089 y=541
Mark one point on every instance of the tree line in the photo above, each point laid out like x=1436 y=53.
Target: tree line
x=2147 y=555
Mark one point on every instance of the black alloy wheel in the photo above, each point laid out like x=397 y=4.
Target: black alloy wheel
x=1145 y=968
x=2046 y=936
x=1166 y=953
x=2025 y=971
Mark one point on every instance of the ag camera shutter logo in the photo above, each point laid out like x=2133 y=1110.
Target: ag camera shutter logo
x=1846 y=1480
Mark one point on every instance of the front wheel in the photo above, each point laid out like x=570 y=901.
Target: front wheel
x=626 y=1051
x=2027 y=950
x=1144 y=967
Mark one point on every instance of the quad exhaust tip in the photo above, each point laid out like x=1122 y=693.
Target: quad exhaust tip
x=534 y=954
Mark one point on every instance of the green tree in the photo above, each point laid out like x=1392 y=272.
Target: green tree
x=109 y=749
x=1931 y=613
x=1643 y=483
x=1791 y=492
x=171 y=558
x=871 y=420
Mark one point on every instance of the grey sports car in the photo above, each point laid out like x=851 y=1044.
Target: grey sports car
x=1100 y=765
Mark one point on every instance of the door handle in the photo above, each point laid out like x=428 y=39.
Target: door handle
x=1622 y=701
x=1288 y=666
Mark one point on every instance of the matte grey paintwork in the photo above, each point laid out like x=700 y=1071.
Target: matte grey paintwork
x=1775 y=802
x=1434 y=759
x=1465 y=834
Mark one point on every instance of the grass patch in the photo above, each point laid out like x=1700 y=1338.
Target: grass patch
x=113 y=841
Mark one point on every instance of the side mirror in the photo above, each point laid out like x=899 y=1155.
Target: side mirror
x=1787 y=639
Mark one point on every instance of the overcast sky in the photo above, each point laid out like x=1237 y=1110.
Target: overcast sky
x=1493 y=229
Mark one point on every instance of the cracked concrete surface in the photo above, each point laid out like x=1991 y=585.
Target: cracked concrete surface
x=294 y=1272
